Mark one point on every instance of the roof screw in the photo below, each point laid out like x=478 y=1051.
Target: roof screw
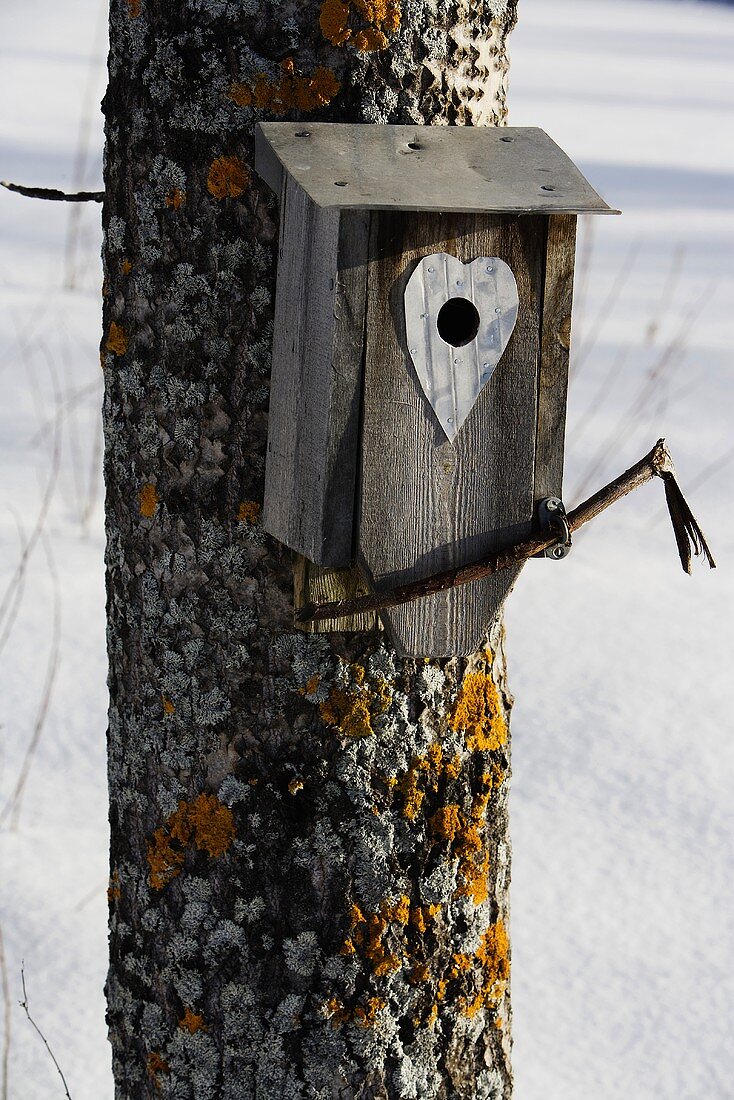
x=498 y=310
x=303 y=133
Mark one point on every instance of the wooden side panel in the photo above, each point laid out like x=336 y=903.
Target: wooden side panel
x=554 y=358
x=426 y=504
x=316 y=379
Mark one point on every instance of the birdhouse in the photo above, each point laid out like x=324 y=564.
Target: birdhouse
x=420 y=354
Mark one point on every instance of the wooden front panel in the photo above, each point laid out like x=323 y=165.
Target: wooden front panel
x=428 y=505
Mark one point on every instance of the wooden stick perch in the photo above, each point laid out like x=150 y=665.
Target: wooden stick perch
x=53 y=195
x=658 y=463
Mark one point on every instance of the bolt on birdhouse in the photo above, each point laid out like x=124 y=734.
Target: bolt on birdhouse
x=420 y=354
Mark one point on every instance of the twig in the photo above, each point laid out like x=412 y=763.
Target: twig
x=51 y=194
x=12 y=806
x=7 y=1020
x=657 y=463
x=24 y=1006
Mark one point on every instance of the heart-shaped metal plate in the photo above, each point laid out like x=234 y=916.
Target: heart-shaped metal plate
x=459 y=319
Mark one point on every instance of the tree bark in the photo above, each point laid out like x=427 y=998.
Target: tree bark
x=309 y=853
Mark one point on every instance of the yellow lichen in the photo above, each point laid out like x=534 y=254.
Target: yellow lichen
x=291 y=91
x=191 y=1022
x=168 y=707
x=126 y=267
x=175 y=199
x=148 y=500
x=116 y=339
x=228 y=178
x=205 y=824
x=382 y=17
x=295 y=786
x=478 y=713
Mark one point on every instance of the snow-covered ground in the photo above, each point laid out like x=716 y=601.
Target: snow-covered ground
x=623 y=756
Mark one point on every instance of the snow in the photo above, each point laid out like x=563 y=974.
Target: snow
x=622 y=920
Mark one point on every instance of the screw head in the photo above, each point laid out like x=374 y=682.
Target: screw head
x=459 y=282
x=558 y=552
x=498 y=310
x=431 y=269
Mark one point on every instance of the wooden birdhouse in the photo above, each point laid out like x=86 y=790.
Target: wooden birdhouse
x=420 y=354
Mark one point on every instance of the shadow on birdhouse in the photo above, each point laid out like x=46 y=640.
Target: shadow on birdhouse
x=420 y=355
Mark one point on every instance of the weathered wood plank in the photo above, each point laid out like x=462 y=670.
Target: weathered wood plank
x=453 y=169
x=426 y=504
x=554 y=356
x=316 y=584
x=316 y=379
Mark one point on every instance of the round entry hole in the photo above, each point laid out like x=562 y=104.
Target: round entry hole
x=458 y=322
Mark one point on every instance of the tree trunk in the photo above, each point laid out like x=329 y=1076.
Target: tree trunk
x=309 y=855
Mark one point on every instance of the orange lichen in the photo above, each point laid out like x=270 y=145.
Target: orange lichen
x=493 y=957
x=126 y=267
x=291 y=91
x=228 y=178
x=478 y=713
x=116 y=339
x=349 y=711
x=366 y=1017
x=420 y=915
x=426 y=774
x=148 y=500
x=175 y=199
x=205 y=824
x=168 y=707
x=191 y=1022
x=249 y=512
x=113 y=890
x=475 y=877
x=155 y=1064
x=445 y=823
x=382 y=17
x=133 y=8
x=419 y=974
x=312 y=685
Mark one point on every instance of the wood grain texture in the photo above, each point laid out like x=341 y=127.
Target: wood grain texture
x=428 y=505
x=453 y=169
x=316 y=584
x=555 y=353
x=315 y=387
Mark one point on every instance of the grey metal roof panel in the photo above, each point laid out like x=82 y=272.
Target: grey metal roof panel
x=443 y=168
